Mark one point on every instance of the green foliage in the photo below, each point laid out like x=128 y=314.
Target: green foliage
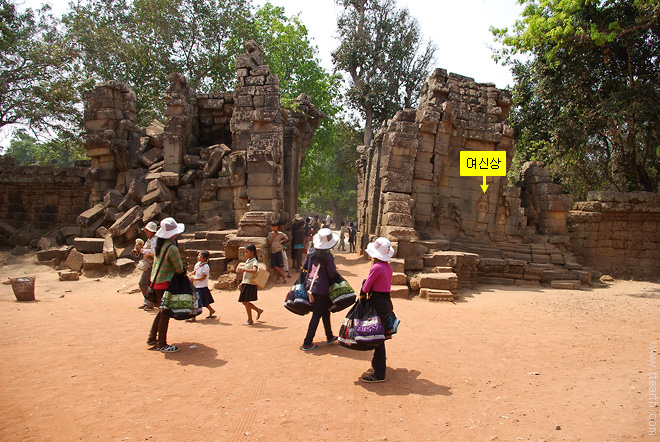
x=587 y=91
x=290 y=55
x=328 y=180
x=381 y=49
x=38 y=73
x=27 y=151
x=142 y=42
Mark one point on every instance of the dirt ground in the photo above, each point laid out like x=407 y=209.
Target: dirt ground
x=503 y=364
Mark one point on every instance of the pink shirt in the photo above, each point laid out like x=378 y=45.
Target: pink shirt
x=379 y=279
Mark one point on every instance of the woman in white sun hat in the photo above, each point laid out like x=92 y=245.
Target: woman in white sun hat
x=167 y=253
x=379 y=283
x=146 y=250
x=321 y=269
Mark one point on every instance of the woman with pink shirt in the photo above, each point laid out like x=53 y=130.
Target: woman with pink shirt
x=379 y=283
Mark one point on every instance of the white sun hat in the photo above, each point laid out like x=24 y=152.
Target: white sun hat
x=325 y=239
x=169 y=227
x=151 y=226
x=381 y=249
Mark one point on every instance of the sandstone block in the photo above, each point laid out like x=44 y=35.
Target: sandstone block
x=398 y=265
x=123 y=224
x=399 y=291
x=68 y=275
x=75 y=260
x=109 y=253
x=436 y=295
x=493 y=280
x=439 y=281
x=57 y=253
x=93 y=261
x=89 y=216
x=89 y=245
x=566 y=285
x=399 y=279
x=124 y=265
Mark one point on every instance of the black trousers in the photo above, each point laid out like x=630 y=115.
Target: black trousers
x=321 y=305
x=383 y=304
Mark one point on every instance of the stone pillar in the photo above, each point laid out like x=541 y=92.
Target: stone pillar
x=257 y=127
x=109 y=123
x=177 y=124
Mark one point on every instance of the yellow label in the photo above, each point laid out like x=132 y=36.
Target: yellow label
x=483 y=163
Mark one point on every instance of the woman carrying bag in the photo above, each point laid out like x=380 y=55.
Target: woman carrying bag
x=320 y=267
x=167 y=262
x=379 y=283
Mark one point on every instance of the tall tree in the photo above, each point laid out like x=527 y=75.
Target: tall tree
x=588 y=90
x=143 y=41
x=382 y=50
x=38 y=73
x=328 y=179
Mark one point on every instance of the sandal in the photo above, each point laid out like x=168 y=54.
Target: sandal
x=310 y=347
x=169 y=349
x=248 y=323
x=211 y=317
x=371 y=379
x=332 y=341
x=259 y=314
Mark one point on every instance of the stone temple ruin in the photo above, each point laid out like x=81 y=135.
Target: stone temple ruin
x=227 y=165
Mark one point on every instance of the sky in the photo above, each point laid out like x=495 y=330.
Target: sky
x=459 y=28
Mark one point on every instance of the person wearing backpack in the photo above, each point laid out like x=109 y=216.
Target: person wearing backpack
x=321 y=269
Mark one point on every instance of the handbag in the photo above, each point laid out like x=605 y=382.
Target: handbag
x=341 y=294
x=150 y=296
x=362 y=328
x=182 y=298
x=261 y=278
x=297 y=300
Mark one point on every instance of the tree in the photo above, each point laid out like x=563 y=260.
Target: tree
x=141 y=43
x=290 y=55
x=27 y=151
x=382 y=51
x=38 y=73
x=328 y=180
x=587 y=91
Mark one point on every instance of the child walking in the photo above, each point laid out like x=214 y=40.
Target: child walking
x=248 y=290
x=200 y=277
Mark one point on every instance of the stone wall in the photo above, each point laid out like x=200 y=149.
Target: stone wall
x=618 y=233
x=44 y=197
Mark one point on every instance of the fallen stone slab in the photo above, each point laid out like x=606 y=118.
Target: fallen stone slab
x=399 y=291
x=566 y=284
x=399 y=279
x=124 y=223
x=75 y=260
x=124 y=265
x=57 y=253
x=93 y=262
x=89 y=245
x=68 y=275
x=494 y=280
x=436 y=295
x=439 y=281
x=90 y=215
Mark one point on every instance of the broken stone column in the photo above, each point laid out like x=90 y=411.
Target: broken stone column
x=177 y=124
x=110 y=124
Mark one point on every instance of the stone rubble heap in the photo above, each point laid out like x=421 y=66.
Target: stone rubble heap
x=221 y=161
x=444 y=226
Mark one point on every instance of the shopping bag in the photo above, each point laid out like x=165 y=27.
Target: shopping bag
x=181 y=298
x=297 y=300
x=261 y=278
x=341 y=294
x=362 y=328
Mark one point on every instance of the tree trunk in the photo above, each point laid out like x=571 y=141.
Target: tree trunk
x=368 y=125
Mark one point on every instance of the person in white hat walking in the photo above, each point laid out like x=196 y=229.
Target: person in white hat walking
x=321 y=269
x=379 y=283
x=167 y=253
x=147 y=251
